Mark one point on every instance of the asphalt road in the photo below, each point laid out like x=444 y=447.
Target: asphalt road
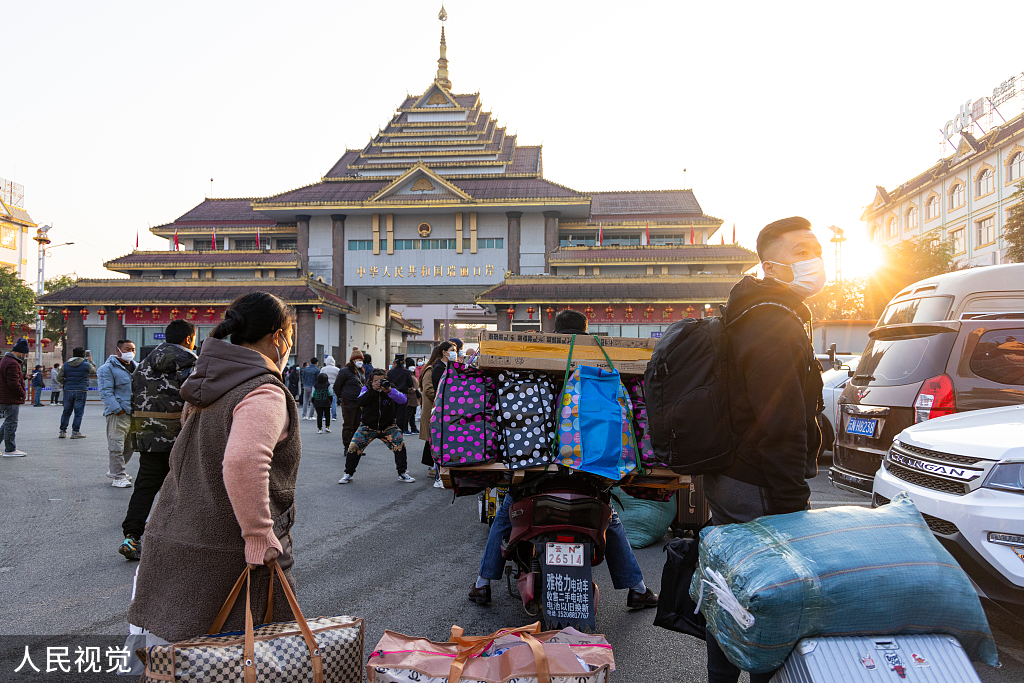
x=402 y=556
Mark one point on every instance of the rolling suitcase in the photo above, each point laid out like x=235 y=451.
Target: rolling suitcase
x=693 y=508
x=935 y=658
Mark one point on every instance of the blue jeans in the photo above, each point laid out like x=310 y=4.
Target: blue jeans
x=73 y=400
x=622 y=564
x=334 y=407
x=38 y=400
x=10 y=425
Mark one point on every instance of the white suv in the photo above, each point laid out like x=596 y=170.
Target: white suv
x=965 y=473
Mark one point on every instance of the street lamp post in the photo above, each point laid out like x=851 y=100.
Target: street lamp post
x=838 y=239
x=44 y=251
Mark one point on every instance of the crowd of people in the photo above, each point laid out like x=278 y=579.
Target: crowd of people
x=225 y=422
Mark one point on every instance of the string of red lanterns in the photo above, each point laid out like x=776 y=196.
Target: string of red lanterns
x=550 y=311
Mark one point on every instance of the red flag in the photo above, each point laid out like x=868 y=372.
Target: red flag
x=213 y=244
x=600 y=234
x=175 y=239
x=136 y=240
x=691 y=233
x=259 y=245
x=734 y=233
x=648 y=231
x=723 y=239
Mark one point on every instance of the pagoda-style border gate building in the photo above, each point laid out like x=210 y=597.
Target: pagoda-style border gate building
x=443 y=205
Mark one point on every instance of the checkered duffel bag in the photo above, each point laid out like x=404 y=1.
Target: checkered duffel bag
x=322 y=650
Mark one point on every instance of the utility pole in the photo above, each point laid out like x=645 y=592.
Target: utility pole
x=44 y=249
x=838 y=239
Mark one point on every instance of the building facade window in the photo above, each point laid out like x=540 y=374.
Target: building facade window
x=892 y=228
x=361 y=245
x=9 y=236
x=986 y=231
x=931 y=209
x=911 y=218
x=251 y=244
x=957 y=196
x=287 y=244
x=202 y=245
x=956 y=237
x=986 y=183
x=1015 y=169
x=578 y=241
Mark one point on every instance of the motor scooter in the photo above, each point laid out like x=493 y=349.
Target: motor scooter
x=558 y=535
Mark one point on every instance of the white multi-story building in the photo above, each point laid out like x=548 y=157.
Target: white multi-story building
x=15 y=224
x=963 y=198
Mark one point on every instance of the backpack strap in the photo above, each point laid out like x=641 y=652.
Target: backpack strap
x=766 y=303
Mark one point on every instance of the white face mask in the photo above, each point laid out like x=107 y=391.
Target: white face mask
x=359 y=363
x=453 y=356
x=282 y=359
x=128 y=356
x=808 y=276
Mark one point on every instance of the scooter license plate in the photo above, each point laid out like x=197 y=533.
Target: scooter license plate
x=564 y=555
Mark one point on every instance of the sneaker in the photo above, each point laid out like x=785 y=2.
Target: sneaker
x=319 y=431
x=122 y=482
x=131 y=548
x=345 y=478
x=481 y=596
x=63 y=434
x=77 y=435
x=327 y=429
x=404 y=477
x=15 y=454
x=438 y=484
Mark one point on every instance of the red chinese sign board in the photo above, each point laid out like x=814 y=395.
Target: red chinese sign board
x=161 y=315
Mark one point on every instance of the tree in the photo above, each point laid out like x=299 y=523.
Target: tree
x=1013 y=231
x=56 y=326
x=905 y=264
x=17 y=304
x=845 y=300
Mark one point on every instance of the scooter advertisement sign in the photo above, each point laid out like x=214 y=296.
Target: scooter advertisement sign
x=568 y=593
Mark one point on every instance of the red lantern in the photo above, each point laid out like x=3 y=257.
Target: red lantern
x=629 y=312
x=668 y=312
x=66 y=312
x=210 y=312
x=85 y=314
x=550 y=311
x=25 y=329
x=120 y=314
x=319 y=311
x=690 y=310
x=192 y=313
x=511 y=310
x=42 y=314
x=138 y=312
x=174 y=313
x=648 y=312
x=589 y=312
x=530 y=311
x=609 y=312
x=103 y=313
x=155 y=312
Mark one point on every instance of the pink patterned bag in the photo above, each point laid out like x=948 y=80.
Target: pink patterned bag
x=463 y=424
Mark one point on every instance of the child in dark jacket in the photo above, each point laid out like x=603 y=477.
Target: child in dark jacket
x=322 y=402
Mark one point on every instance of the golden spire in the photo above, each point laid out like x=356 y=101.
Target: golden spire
x=442 y=64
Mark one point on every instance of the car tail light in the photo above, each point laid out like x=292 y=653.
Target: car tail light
x=935 y=399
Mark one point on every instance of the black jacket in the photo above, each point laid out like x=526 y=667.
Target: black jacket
x=437 y=372
x=775 y=391
x=378 y=408
x=348 y=384
x=401 y=378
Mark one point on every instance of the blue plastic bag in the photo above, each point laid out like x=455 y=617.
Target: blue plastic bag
x=595 y=429
x=842 y=571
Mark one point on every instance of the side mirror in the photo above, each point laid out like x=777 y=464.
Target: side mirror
x=832 y=357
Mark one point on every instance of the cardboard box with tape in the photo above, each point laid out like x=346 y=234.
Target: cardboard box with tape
x=549 y=352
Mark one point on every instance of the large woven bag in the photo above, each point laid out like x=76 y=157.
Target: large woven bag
x=322 y=650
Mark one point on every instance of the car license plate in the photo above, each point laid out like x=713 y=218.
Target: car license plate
x=564 y=555
x=861 y=426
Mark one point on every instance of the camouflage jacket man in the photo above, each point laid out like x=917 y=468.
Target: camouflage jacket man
x=156 y=396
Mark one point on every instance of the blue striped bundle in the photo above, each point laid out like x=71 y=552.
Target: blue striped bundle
x=842 y=571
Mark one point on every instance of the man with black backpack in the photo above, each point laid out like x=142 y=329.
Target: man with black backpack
x=774 y=392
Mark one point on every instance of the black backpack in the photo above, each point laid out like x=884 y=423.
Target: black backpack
x=687 y=390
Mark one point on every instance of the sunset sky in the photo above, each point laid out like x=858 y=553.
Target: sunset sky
x=118 y=114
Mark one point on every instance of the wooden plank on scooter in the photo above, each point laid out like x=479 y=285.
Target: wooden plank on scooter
x=556 y=365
